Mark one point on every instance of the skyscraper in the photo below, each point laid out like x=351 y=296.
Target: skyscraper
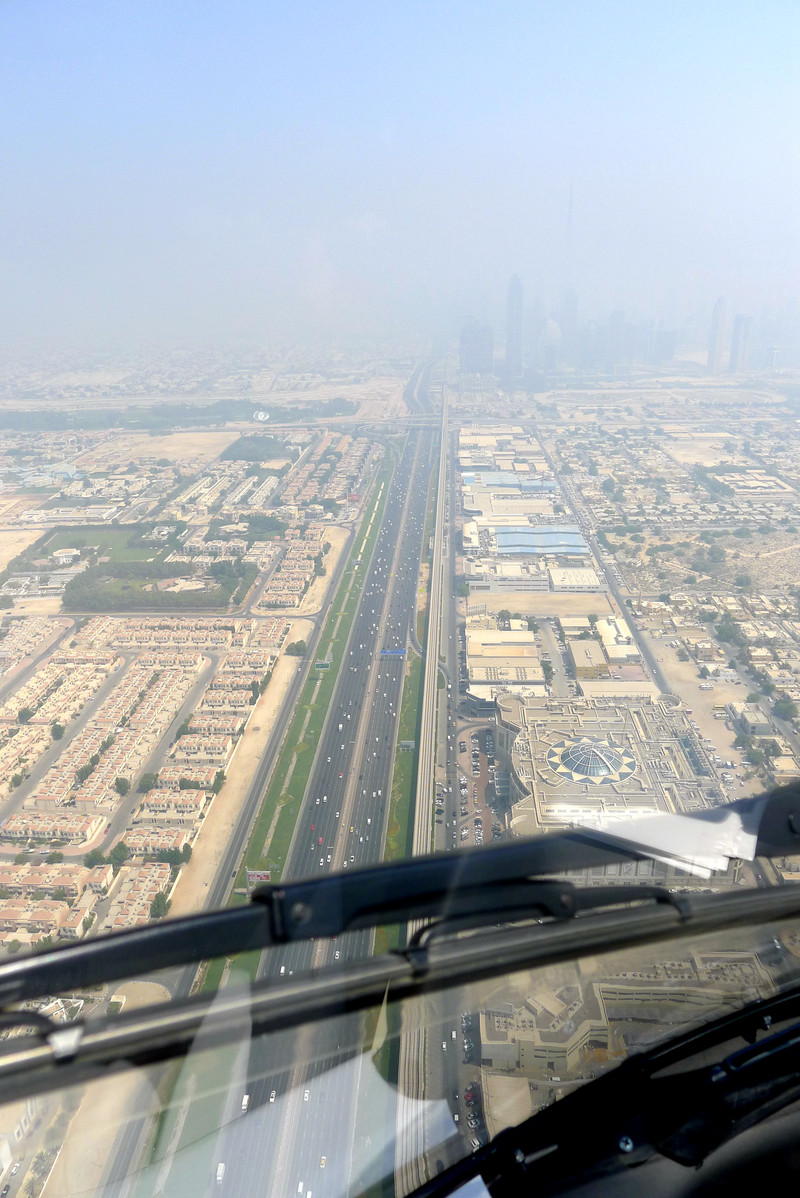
x=740 y=338
x=715 y=336
x=476 y=349
x=514 y=328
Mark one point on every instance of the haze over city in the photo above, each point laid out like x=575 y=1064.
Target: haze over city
x=399 y=556
x=261 y=171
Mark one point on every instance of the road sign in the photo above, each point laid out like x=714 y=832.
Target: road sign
x=257 y=877
x=322 y=665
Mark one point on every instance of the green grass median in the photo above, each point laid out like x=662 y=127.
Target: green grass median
x=292 y=769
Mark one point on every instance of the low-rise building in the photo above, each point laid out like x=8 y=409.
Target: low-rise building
x=587 y=658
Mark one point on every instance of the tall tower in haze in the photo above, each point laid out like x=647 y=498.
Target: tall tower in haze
x=715 y=336
x=476 y=349
x=740 y=338
x=514 y=328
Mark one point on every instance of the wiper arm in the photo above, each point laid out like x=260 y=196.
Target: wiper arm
x=167 y=1030
x=473 y=884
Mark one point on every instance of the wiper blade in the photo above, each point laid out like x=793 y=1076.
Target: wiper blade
x=474 y=884
x=167 y=1030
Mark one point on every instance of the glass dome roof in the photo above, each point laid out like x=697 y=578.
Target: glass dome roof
x=592 y=758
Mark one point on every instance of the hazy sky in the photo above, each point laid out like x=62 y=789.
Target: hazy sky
x=182 y=168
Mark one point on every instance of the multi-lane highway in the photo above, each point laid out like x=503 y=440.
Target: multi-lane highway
x=298 y=1116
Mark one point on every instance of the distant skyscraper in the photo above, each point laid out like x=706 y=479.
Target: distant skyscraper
x=569 y=327
x=476 y=349
x=715 y=336
x=740 y=338
x=514 y=328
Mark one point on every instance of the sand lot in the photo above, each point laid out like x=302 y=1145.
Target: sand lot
x=314 y=597
x=547 y=603
x=682 y=677
x=379 y=397
x=14 y=540
x=195 y=878
x=51 y=606
x=193 y=449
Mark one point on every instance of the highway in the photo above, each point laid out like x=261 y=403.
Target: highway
x=278 y=1144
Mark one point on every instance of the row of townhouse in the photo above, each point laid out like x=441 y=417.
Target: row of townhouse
x=181 y=808
x=156 y=632
x=283 y=596
x=217 y=723
x=230 y=700
x=150 y=701
x=66 y=701
x=204 y=750
x=61 y=827
x=69 y=878
x=47 y=678
x=137 y=886
x=19 y=749
x=24 y=637
x=270 y=633
x=200 y=776
x=146 y=840
x=262 y=553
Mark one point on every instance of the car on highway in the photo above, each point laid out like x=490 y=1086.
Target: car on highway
x=305 y=1096
x=323 y=1160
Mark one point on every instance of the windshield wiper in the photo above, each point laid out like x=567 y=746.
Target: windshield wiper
x=167 y=1030
x=473 y=885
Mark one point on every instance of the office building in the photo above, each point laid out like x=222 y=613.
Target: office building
x=716 y=336
x=740 y=338
x=514 y=328
x=476 y=350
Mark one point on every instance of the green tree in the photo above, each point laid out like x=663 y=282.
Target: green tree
x=24 y=714
x=548 y=672
x=217 y=784
x=56 y=730
x=14 y=946
x=159 y=906
x=785 y=709
x=54 y=858
x=94 y=857
x=17 y=780
x=122 y=786
x=296 y=649
x=753 y=697
x=705 y=672
x=119 y=854
x=147 y=782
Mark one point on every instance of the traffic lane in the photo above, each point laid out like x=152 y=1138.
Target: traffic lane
x=299 y=959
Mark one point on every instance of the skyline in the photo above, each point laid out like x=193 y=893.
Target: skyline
x=181 y=172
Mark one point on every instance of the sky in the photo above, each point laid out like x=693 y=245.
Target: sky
x=190 y=170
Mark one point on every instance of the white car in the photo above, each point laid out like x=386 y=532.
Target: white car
x=305 y=1096
x=272 y=1095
